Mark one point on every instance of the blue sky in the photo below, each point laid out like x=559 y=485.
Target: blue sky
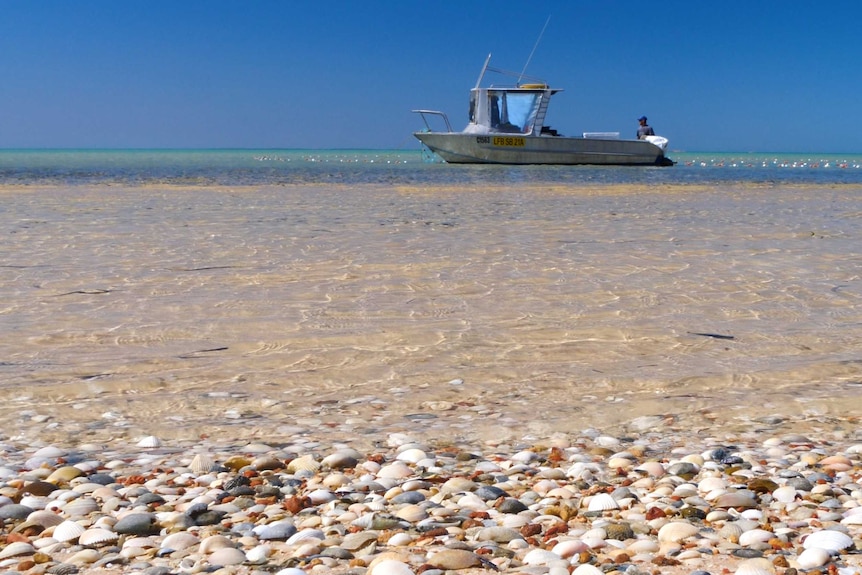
x=766 y=76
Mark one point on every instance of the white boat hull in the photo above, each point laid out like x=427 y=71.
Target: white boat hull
x=460 y=148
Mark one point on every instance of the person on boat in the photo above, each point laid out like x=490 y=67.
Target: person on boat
x=644 y=129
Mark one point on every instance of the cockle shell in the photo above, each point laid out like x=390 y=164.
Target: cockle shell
x=569 y=548
x=411 y=513
x=412 y=455
x=587 y=569
x=401 y=539
x=676 y=531
x=149 y=441
x=96 y=537
x=395 y=470
x=44 y=518
x=731 y=531
x=540 y=557
x=643 y=546
x=303 y=463
x=785 y=494
x=80 y=507
x=828 y=539
x=651 y=468
x=258 y=554
x=709 y=484
x=755 y=536
x=391 y=567
x=179 y=541
x=759 y=566
x=226 y=556
x=17 y=548
x=213 y=543
x=813 y=557
x=201 y=463
x=68 y=531
x=306 y=535
x=602 y=502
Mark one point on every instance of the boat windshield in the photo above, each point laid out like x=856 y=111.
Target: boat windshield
x=513 y=111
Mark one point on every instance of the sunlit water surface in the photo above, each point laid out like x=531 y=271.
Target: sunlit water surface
x=253 y=292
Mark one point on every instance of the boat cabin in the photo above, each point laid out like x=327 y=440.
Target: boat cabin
x=511 y=110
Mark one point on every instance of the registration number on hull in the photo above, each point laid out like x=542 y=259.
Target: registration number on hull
x=508 y=141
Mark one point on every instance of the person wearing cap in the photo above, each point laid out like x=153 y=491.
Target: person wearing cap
x=644 y=129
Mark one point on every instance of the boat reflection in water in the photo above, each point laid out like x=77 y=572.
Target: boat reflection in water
x=507 y=126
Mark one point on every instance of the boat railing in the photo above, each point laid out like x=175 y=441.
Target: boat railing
x=434 y=113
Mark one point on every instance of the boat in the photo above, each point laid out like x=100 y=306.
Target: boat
x=507 y=126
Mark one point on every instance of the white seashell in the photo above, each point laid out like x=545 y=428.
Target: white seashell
x=17 y=548
x=390 y=567
x=594 y=542
x=643 y=546
x=395 y=470
x=540 y=557
x=320 y=496
x=44 y=518
x=587 y=569
x=411 y=513
x=179 y=541
x=853 y=519
x=570 y=547
x=68 y=531
x=731 y=530
x=676 y=531
x=226 y=556
x=50 y=451
x=258 y=555
x=96 y=537
x=828 y=539
x=412 y=455
x=708 y=484
x=785 y=494
x=84 y=557
x=718 y=515
x=753 y=514
x=305 y=535
x=201 y=464
x=755 y=536
x=303 y=463
x=602 y=502
x=401 y=539
x=813 y=557
x=149 y=442
x=651 y=468
x=594 y=533
x=623 y=463
x=213 y=543
x=34 y=502
x=685 y=490
x=80 y=507
x=140 y=542
x=757 y=566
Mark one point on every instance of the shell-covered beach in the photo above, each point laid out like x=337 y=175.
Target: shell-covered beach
x=385 y=379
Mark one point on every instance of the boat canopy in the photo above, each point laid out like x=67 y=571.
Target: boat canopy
x=519 y=110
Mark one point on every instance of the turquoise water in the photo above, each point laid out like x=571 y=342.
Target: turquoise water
x=273 y=167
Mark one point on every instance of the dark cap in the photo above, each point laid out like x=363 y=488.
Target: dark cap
x=642 y=119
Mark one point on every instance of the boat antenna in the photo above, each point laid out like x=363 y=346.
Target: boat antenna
x=539 y=39
x=482 y=73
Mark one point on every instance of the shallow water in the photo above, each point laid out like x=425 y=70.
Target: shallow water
x=473 y=307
